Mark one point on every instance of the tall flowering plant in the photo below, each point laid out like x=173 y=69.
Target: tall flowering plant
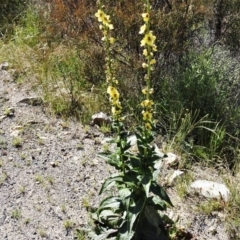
x=133 y=211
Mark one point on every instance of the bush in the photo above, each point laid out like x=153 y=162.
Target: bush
x=10 y=12
x=205 y=86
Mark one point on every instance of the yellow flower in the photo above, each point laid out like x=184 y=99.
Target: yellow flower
x=147 y=103
x=144 y=65
x=145 y=91
x=145 y=52
x=147 y=116
x=112 y=40
x=113 y=92
x=148 y=39
x=153 y=61
x=107 y=22
x=151 y=91
x=145 y=17
x=143 y=29
x=100 y=15
x=148 y=126
x=110 y=26
x=154 y=48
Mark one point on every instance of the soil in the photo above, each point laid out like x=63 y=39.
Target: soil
x=50 y=172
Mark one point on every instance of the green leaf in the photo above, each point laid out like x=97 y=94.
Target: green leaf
x=158 y=203
x=152 y=215
x=110 y=202
x=105 y=215
x=110 y=182
x=136 y=210
x=160 y=192
x=123 y=233
x=130 y=179
x=112 y=159
x=104 y=235
x=146 y=182
x=124 y=193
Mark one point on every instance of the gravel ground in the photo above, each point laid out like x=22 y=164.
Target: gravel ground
x=50 y=173
x=49 y=169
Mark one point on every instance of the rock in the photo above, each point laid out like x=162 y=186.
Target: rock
x=100 y=119
x=132 y=140
x=211 y=189
x=2 y=117
x=16 y=130
x=158 y=152
x=53 y=164
x=4 y=65
x=176 y=174
x=171 y=159
x=15 y=133
x=34 y=101
x=107 y=140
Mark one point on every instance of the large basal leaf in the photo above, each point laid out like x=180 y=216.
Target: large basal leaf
x=160 y=192
x=110 y=182
x=135 y=209
x=152 y=215
x=104 y=235
x=107 y=214
x=110 y=202
x=124 y=193
x=124 y=233
x=158 y=203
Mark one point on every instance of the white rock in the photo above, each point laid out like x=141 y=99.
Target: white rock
x=132 y=139
x=171 y=159
x=106 y=140
x=176 y=174
x=158 y=152
x=4 y=65
x=100 y=119
x=15 y=133
x=211 y=189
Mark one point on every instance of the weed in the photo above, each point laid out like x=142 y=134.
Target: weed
x=17 y=142
x=80 y=235
x=38 y=208
x=3 y=177
x=63 y=208
x=85 y=202
x=42 y=233
x=27 y=220
x=183 y=183
x=28 y=162
x=16 y=214
x=80 y=146
x=68 y=224
x=23 y=156
x=3 y=143
x=22 y=190
x=209 y=206
x=8 y=111
x=50 y=180
x=233 y=208
x=105 y=128
x=39 y=179
x=136 y=180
